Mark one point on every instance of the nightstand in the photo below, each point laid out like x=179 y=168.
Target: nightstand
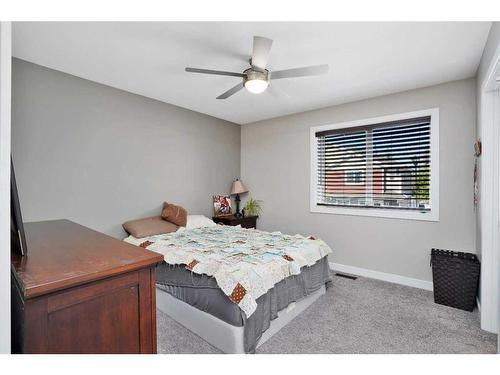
x=244 y=221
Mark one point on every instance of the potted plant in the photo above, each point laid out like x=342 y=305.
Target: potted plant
x=253 y=207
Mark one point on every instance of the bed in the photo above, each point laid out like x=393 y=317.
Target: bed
x=236 y=287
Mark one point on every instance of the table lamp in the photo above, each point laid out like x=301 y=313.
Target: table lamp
x=237 y=189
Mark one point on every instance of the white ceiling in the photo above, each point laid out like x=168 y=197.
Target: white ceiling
x=366 y=59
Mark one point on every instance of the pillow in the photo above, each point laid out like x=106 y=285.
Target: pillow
x=149 y=226
x=174 y=214
x=198 y=221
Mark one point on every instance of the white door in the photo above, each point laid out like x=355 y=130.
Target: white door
x=497 y=124
x=489 y=200
x=5 y=65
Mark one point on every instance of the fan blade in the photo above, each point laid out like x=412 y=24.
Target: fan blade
x=216 y=72
x=231 y=91
x=277 y=92
x=314 y=70
x=261 y=49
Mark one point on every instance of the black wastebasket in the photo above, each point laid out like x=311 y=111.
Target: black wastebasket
x=456 y=278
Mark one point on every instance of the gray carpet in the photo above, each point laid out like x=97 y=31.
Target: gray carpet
x=359 y=316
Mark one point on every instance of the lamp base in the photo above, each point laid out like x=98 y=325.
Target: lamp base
x=237 y=200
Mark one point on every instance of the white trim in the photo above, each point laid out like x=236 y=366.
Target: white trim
x=489 y=197
x=433 y=215
x=5 y=129
x=390 y=277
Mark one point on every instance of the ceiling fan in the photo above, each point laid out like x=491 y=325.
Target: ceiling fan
x=256 y=78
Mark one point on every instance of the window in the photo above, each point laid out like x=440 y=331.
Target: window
x=385 y=166
x=353 y=177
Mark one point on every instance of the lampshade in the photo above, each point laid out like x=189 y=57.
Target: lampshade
x=238 y=188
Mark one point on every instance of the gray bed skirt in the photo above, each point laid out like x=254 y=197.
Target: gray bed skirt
x=202 y=292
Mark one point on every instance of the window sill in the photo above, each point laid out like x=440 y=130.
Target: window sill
x=377 y=212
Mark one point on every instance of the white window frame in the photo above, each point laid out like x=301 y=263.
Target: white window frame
x=432 y=215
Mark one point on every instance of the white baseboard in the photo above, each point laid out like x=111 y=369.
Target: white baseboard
x=478 y=302
x=390 y=277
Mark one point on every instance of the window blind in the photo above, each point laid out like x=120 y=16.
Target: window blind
x=377 y=166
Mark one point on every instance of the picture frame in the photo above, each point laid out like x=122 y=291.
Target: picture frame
x=222 y=205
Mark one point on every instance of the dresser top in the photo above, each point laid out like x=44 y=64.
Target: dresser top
x=63 y=254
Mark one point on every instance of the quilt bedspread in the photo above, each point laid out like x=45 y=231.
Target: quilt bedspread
x=246 y=263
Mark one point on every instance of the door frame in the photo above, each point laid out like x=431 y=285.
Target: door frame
x=5 y=114
x=489 y=217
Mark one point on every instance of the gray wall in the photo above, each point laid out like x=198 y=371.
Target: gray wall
x=100 y=156
x=275 y=166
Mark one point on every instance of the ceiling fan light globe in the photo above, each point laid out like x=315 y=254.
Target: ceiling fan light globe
x=256 y=86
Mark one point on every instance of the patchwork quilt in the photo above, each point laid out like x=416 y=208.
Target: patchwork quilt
x=246 y=263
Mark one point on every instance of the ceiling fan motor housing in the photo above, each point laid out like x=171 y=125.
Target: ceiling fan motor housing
x=251 y=74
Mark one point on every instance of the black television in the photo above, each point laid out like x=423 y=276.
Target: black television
x=17 y=236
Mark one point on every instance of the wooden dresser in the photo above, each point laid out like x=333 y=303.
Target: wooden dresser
x=80 y=291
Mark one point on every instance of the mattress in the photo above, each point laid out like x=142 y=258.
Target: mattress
x=202 y=292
